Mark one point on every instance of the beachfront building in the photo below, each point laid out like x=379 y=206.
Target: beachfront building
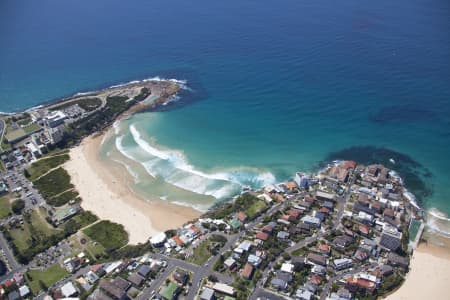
x=158 y=240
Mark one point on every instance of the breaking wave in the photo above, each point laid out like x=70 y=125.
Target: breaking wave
x=438 y=222
x=173 y=167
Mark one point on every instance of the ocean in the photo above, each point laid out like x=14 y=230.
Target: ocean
x=272 y=87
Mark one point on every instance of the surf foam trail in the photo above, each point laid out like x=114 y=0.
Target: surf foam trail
x=173 y=167
x=438 y=222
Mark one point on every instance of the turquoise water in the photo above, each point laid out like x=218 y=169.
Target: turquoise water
x=275 y=86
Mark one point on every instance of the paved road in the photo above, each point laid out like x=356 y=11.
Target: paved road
x=8 y=253
x=263 y=294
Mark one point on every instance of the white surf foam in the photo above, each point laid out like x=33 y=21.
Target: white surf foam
x=438 y=222
x=173 y=167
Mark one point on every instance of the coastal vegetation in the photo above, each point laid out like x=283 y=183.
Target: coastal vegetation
x=110 y=235
x=248 y=203
x=38 y=279
x=44 y=165
x=55 y=186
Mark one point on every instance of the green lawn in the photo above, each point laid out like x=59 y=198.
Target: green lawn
x=50 y=276
x=207 y=249
x=22 y=236
x=44 y=165
x=110 y=235
x=12 y=134
x=32 y=128
x=255 y=208
x=88 y=104
x=5 y=206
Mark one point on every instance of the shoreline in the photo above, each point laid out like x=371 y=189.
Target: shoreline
x=105 y=192
x=429 y=273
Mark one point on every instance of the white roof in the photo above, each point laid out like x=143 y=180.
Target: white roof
x=287 y=267
x=112 y=266
x=224 y=288
x=24 y=290
x=159 y=238
x=68 y=289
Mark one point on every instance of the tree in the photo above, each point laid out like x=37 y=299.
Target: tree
x=26 y=173
x=17 y=206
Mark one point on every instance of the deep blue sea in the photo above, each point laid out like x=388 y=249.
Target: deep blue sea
x=273 y=86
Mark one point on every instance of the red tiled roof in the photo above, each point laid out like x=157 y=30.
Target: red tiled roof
x=324 y=210
x=262 y=236
x=241 y=216
x=247 y=271
x=177 y=240
x=324 y=248
x=363 y=229
x=267 y=229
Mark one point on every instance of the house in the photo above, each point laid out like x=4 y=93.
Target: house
x=223 y=288
x=389 y=213
x=254 y=260
x=342 y=241
x=342 y=263
x=363 y=229
x=324 y=249
x=91 y=277
x=359 y=207
x=14 y=295
x=68 y=290
x=303 y=294
x=316 y=279
x=361 y=255
x=286 y=277
x=291 y=186
x=242 y=217
x=324 y=196
x=287 y=268
x=24 y=291
x=135 y=279
x=181 y=277
x=247 y=271
x=313 y=221
x=398 y=261
x=112 y=290
x=319 y=215
x=170 y=291
x=267 y=229
x=262 y=236
x=144 y=270
x=235 y=224
x=316 y=259
x=279 y=284
x=304 y=205
x=158 y=240
x=324 y=210
x=207 y=294
x=320 y=270
x=230 y=263
x=282 y=235
x=294 y=214
x=390 y=241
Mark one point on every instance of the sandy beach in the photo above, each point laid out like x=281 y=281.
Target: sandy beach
x=429 y=276
x=105 y=192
